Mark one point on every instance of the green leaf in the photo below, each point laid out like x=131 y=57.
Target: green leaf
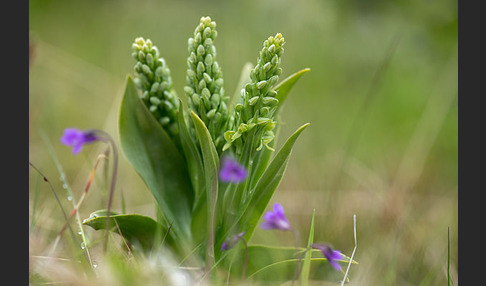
x=284 y=87
x=264 y=190
x=267 y=263
x=153 y=154
x=211 y=167
x=209 y=153
x=192 y=155
x=268 y=183
x=262 y=158
x=307 y=260
x=136 y=229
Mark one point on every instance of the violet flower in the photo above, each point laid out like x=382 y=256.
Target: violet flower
x=231 y=241
x=231 y=171
x=276 y=219
x=330 y=254
x=77 y=138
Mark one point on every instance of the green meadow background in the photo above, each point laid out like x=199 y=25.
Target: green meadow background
x=381 y=100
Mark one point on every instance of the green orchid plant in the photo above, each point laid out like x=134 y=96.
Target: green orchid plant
x=209 y=160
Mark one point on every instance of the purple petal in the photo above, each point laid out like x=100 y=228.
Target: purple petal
x=77 y=138
x=278 y=209
x=269 y=216
x=335 y=255
x=267 y=225
x=330 y=254
x=224 y=246
x=335 y=265
x=232 y=171
x=77 y=148
x=72 y=136
x=275 y=219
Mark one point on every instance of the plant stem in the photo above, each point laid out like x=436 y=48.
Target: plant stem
x=107 y=138
x=70 y=193
x=55 y=195
x=299 y=262
x=246 y=257
x=352 y=255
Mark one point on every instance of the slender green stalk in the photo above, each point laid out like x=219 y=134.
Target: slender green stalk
x=354 y=250
x=57 y=198
x=34 y=207
x=107 y=138
x=70 y=193
x=246 y=257
x=83 y=196
x=123 y=204
x=299 y=261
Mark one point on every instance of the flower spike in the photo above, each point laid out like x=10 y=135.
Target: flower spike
x=152 y=77
x=258 y=103
x=204 y=81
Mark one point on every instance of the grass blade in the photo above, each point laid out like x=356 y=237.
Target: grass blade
x=354 y=250
x=70 y=193
x=308 y=255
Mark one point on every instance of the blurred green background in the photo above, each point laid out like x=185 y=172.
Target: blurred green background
x=381 y=98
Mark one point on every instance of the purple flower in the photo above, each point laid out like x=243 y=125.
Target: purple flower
x=330 y=254
x=77 y=138
x=232 y=171
x=276 y=219
x=231 y=241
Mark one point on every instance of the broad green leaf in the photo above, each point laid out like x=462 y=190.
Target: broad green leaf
x=280 y=263
x=192 y=155
x=211 y=167
x=284 y=87
x=196 y=171
x=307 y=260
x=199 y=224
x=153 y=154
x=264 y=190
x=136 y=229
x=209 y=154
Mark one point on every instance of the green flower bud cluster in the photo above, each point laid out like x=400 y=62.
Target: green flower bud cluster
x=258 y=102
x=204 y=81
x=152 y=77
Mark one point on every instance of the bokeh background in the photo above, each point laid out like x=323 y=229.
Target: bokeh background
x=381 y=98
